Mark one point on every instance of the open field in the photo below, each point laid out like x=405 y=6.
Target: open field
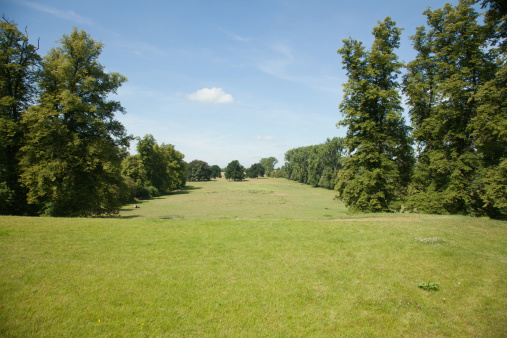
x=264 y=198
x=223 y=259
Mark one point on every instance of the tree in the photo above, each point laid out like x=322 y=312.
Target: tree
x=235 y=171
x=268 y=164
x=216 y=172
x=377 y=137
x=19 y=64
x=316 y=165
x=71 y=159
x=452 y=107
x=198 y=171
x=165 y=169
x=255 y=171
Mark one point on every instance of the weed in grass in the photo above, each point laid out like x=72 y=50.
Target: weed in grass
x=430 y=286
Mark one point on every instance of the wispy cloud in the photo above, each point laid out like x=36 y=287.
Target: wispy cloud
x=235 y=36
x=68 y=14
x=265 y=138
x=211 y=95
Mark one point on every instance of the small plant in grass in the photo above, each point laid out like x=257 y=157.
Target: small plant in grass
x=429 y=286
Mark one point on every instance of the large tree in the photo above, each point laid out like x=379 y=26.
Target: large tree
x=71 y=159
x=19 y=63
x=377 y=138
x=455 y=108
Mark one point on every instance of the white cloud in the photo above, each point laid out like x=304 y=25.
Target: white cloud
x=62 y=14
x=265 y=138
x=212 y=95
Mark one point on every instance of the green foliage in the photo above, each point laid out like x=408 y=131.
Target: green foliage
x=255 y=171
x=164 y=166
x=457 y=99
x=19 y=64
x=380 y=161
x=268 y=164
x=216 y=172
x=132 y=166
x=235 y=171
x=198 y=171
x=71 y=158
x=315 y=165
x=430 y=286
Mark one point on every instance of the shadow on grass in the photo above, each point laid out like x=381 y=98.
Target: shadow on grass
x=183 y=191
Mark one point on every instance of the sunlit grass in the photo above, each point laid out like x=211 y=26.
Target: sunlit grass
x=263 y=198
x=225 y=277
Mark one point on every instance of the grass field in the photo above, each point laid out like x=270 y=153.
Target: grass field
x=265 y=257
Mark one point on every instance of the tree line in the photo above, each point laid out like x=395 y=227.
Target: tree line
x=62 y=152
x=453 y=157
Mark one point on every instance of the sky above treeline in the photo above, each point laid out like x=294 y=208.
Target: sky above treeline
x=224 y=80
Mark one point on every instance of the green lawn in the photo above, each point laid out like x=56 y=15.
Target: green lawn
x=223 y=259
x=265 y=198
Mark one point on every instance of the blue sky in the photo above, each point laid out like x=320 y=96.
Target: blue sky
x=224 y=80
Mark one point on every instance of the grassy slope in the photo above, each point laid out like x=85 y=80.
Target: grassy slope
x=227 y=277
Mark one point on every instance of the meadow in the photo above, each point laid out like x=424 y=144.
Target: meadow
x=265 y=257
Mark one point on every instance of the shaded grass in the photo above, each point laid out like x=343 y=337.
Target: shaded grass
x=178 y=277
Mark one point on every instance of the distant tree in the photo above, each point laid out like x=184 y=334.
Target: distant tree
x=377 y=139
x=316 y=165
x=235 y=171
x=19 y=64
x=198 y=171
x=268 y=164
x=255 y=171
x=216 y=172
x=71 y=158
x=165 y=168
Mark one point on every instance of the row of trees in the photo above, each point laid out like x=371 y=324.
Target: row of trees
x=200 y=171
x=60 y=145
x=154 y=170
x=317 y=165
x=62 y=152
x=457 y=99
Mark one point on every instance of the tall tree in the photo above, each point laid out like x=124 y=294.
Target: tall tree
x=71 y=159
x=377 y=137
x=19 y=63
x=443 y=84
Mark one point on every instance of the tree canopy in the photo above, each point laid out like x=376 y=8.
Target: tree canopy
x=71 y=157
x=19 y=65
x=380 y=160
x=235 y=171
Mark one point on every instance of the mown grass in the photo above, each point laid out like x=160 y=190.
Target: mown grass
x=263 y=198
x=152 y=276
